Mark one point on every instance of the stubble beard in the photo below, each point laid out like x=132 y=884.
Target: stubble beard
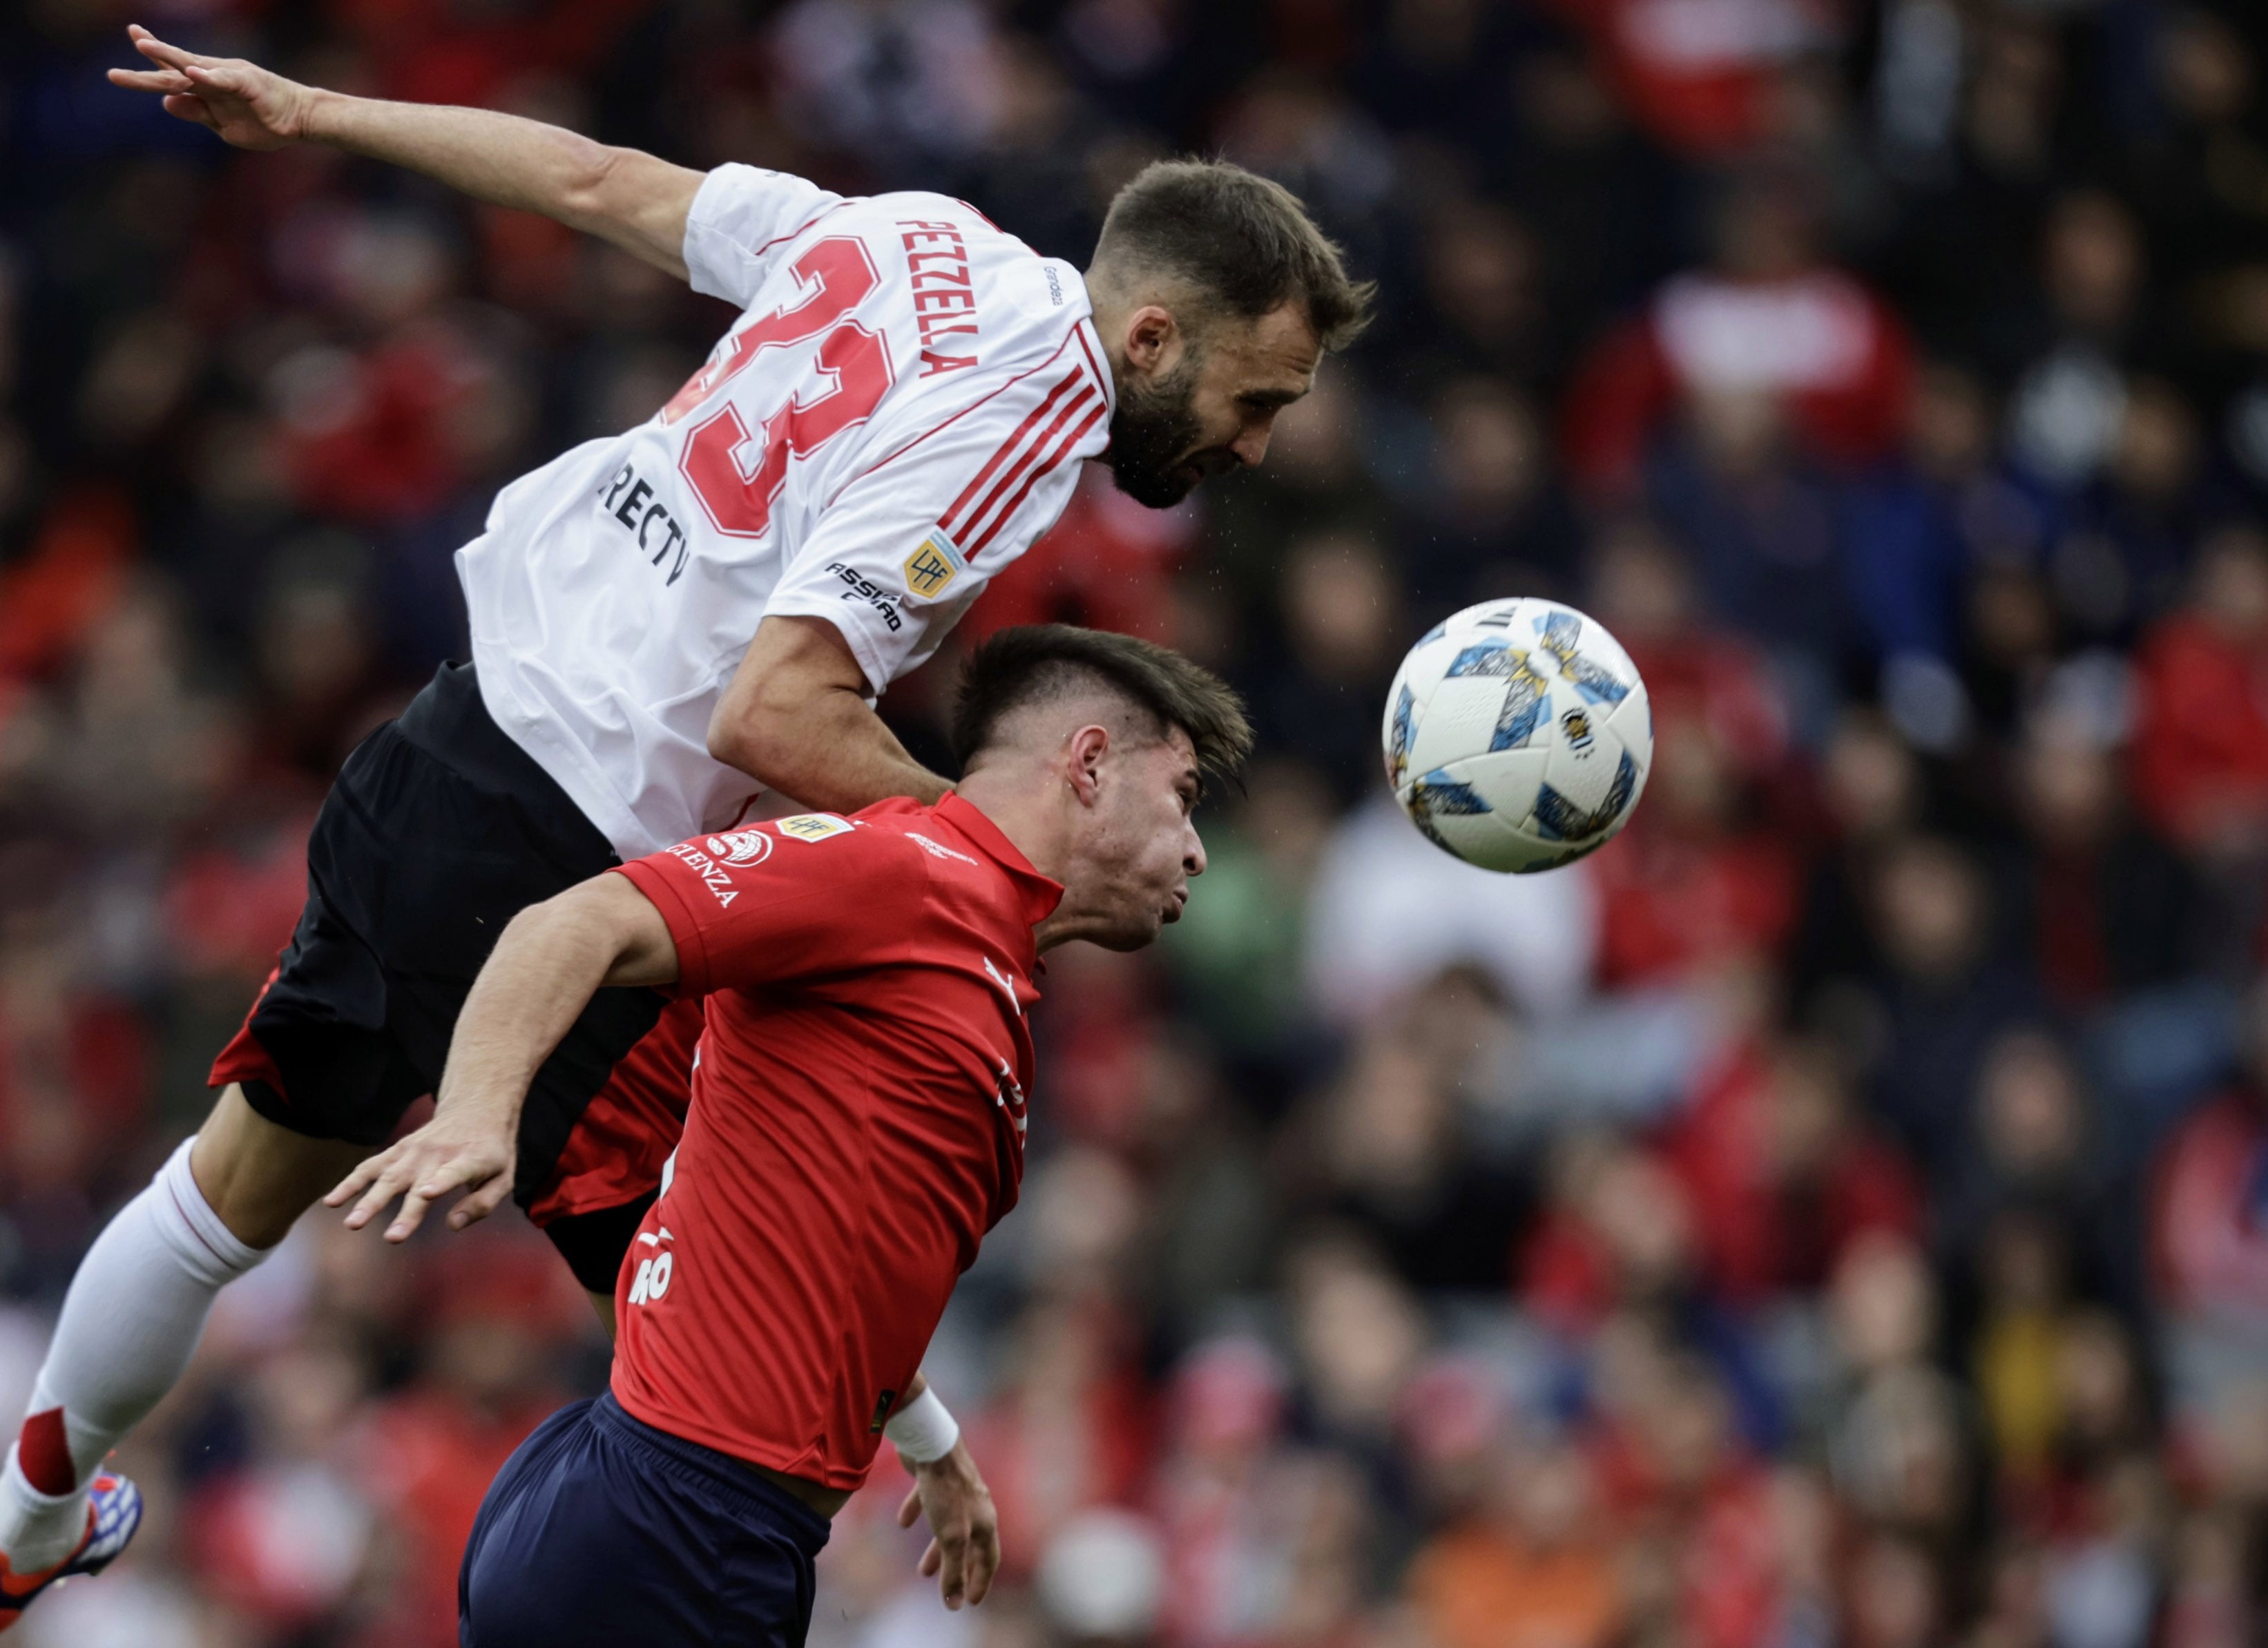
x=1153 y=436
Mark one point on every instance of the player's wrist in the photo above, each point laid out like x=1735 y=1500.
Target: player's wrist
x=923 y=1430
x=315 y=115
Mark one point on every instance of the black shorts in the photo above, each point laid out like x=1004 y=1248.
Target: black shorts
x=438 y=831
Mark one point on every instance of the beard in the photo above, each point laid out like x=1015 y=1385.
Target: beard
x=1154 y=437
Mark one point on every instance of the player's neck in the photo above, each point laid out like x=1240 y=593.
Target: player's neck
x=1022 y=812
x=1028 y=808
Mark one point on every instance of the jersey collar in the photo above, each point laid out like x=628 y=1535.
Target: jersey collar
x=1087 y=338
x=1039 y=893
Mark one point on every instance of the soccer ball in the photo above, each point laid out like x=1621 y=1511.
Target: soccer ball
x=1517 y=735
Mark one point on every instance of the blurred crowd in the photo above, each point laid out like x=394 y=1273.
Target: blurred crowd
x=1835 y=1216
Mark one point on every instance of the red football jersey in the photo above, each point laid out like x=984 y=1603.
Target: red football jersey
x=856 y=1125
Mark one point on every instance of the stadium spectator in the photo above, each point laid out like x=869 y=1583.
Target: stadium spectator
x=1771 y=321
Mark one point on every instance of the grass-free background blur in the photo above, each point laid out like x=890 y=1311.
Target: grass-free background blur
x=1836 y=1214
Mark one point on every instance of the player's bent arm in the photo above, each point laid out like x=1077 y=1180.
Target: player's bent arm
x=639 y=203
x=543 y=972
x=795 y=718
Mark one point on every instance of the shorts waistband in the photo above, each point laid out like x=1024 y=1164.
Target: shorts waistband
x=449 y=721
x=733 y=1478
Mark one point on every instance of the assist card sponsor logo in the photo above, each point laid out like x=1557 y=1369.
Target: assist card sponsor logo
x=872 y=593
x=933 y=565
x=813 y=826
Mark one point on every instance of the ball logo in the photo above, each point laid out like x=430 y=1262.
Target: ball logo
x=1575 y=727
x=739 y=847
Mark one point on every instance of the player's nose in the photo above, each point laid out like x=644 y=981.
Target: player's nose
x=1251 y=443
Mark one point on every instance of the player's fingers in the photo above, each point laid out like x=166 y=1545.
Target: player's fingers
x=150 y=79
x=366 y=1172
x=412 y=1215
x=930 y=1559
x=182 y=106
x=156 y=51
x=952 y=1575
x=354 y=1181
x=912 y=1510
x=387 y=1184
x=481 y=1202
x=225 y=78
x=983 y=1560
x=374 y=1200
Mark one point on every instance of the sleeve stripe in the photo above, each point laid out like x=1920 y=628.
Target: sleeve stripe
x=955 y=520
x=1063 y=449
x=964 y=530
x=807 y=223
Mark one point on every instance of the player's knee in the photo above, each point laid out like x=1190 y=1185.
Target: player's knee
x=259 y=1177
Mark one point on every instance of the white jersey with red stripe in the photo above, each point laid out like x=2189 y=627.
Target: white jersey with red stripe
x=896 y=415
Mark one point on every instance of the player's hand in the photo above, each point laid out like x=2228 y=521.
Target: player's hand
x=246 y=104
x=964 y=1547
x=452 y=1151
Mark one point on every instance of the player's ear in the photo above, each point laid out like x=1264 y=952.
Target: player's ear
x=1089 y=748
x=1151 y=335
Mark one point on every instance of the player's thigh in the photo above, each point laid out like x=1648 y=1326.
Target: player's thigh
x=319 y=1058
x=260 y=1176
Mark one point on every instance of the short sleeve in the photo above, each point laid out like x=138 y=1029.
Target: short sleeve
x=900 y=553
x=795 y=898
x=741 y=215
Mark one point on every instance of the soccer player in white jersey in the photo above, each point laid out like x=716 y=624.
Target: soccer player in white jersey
x=664 y=624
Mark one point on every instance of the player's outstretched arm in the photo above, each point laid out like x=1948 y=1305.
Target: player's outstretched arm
x=795 y=718
x=552 y=958
x=630 y=198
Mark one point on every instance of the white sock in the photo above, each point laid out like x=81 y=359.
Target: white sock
x=129 y=1325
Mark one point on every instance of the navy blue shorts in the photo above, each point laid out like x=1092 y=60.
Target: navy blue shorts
x=602 y=1532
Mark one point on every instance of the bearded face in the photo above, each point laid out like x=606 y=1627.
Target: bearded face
x=1212 y=411
x=1156 y=455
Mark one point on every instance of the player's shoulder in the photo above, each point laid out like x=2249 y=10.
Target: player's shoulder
x=921 y=840
x=944 y=215
x=1023 y=304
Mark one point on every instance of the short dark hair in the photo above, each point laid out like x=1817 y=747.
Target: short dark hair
x=1034 y=663
x=1239 y=239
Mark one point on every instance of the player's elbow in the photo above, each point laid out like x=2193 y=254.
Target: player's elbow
x=762 y=736
x=791 y=694
x=589 y=197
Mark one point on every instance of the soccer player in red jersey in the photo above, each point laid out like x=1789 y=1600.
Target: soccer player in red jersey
x=857 y=1126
